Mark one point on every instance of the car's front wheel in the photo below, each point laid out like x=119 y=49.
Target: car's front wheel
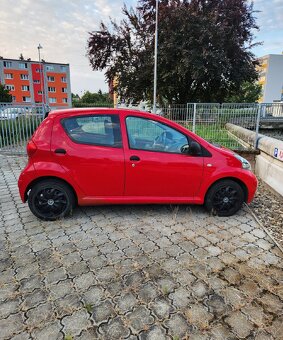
x=224 y=198
x=51 y=199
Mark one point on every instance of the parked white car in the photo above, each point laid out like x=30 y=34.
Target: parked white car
x=11 y=113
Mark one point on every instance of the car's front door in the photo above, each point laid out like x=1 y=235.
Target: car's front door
x=157 y=164
x=90 y=148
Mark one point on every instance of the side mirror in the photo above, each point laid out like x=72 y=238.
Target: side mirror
x=195 y=149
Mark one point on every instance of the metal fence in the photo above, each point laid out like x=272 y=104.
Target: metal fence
x=209 y=120
x=17 y=123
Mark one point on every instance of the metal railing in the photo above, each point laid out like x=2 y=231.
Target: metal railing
x=208 y=120
x=17 y=124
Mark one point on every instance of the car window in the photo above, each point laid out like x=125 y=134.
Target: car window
x=94 y=129
x=150 y=135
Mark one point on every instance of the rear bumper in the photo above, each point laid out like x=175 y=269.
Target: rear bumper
x=26 y=177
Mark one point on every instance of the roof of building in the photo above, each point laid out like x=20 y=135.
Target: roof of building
x=32 y=61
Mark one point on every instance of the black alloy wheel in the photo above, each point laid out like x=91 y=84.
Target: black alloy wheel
x=224 y=198
x=51 y=199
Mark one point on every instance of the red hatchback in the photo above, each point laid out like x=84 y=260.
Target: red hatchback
x=109 y=156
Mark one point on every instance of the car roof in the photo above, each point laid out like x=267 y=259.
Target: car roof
x=98 y=110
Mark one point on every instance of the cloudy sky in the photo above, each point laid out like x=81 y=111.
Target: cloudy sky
x=62 y=26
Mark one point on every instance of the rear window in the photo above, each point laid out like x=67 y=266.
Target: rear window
x=101 y=130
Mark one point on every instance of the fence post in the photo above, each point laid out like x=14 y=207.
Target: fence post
x=257 y=125
x=194 y=117
x=187 y=113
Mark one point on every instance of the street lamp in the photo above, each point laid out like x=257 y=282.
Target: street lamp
x=155 y=58
x=39 y=47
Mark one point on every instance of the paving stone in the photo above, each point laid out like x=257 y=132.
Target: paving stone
x=217 y=305
x=272 y=303
x=84 y=281
x=56 y=275
x=181 y=298
x=60 y=289
x=13 y=324
x=93 y=295
x=126 y=301
x=76 y=323
x=114 y=329
x=199 y=289
x=33 y=299
x=154 y=333
x=239 y=324
x=148 y=292
x=101 y=313
x=40 y=315
x=67 y=305
x=198 y=316
x=139 y=319
x=9 y=307
x=177 y=326
x=161 y=308
x=49 y=331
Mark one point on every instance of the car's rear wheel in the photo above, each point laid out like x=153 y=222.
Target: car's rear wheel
x=224 y=198
x=51 y=199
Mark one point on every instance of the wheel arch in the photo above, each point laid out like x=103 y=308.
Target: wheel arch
x=40 y=179
x=235 y=179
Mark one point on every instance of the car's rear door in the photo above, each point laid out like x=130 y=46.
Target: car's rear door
x=90 y=148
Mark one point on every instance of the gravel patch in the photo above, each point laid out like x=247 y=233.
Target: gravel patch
x=268 y=207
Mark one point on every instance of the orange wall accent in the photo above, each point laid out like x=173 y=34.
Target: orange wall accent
x=58 y=84
x=18 y=82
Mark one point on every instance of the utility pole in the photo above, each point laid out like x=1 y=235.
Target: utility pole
x=155 y=58
x=39 y=47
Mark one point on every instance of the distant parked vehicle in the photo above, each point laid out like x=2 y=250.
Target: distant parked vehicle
x=12 y=113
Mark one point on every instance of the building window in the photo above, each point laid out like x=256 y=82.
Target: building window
x=13 y=98
x=25 y=88
x=8 y=64
x=52 y=100
x=49 y=68
x=50 y=78
x=26 y=99
x=24 y=76
x=23 y=65
x=36 y=81
x=64 y=79
x=10 y=87
x=64 y=89
x=38 y=70
x=65 y=100
x=9 y=76
x=39 y=92
x=51 y=89
x=63 y=68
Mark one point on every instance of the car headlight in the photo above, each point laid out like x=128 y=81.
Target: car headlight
x=245 y=164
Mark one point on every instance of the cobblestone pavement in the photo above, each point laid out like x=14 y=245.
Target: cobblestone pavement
x=135 y=272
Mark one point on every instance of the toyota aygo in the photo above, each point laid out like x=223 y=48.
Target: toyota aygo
x=120 y=156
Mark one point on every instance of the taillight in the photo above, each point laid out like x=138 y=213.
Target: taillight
x=31 y=148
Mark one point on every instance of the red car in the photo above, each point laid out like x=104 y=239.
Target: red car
x=109 y=156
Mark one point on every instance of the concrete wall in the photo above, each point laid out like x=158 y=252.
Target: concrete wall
x=274 y=79
x=269 y=162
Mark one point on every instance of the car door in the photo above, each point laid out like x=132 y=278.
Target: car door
x=90 y=149
x=156 y=162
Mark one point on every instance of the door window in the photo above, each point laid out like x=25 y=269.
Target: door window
x=101 y=130
x=150 y=135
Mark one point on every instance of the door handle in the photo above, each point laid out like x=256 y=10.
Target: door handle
x=134 y=158
x=60 y=151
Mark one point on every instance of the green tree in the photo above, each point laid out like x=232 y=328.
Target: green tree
x=249 y=92
x=204 y=50
x=5 y=96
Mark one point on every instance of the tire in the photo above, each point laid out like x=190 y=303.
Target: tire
x=51 y=199
x=224 y=198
